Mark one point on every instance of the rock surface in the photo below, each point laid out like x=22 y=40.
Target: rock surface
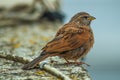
x=26 y=41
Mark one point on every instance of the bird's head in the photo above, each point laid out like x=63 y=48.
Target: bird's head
x=82 y=18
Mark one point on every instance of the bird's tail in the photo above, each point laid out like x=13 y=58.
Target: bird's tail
x=34 y=62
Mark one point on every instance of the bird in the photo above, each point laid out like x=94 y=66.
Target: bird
x=72 y=41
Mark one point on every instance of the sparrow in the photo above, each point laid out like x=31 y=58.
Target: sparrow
x=72 y=41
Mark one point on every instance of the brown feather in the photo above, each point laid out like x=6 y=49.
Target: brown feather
x=72 y=41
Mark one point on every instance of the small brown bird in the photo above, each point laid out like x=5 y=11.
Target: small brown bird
x=72 y=41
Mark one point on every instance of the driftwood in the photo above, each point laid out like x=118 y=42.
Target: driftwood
x=13 y=58
x=54 y=71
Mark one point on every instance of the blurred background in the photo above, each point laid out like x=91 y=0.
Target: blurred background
x=105 y=55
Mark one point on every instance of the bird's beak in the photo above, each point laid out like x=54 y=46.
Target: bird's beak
x=91 y=18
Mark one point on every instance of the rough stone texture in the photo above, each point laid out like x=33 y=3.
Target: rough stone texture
x=26 y=41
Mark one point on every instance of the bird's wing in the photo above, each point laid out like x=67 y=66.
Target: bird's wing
x=68 y=38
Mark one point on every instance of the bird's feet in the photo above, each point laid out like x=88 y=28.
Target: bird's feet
x=77 y=63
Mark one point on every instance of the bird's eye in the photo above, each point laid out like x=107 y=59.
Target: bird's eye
x=85 y=17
